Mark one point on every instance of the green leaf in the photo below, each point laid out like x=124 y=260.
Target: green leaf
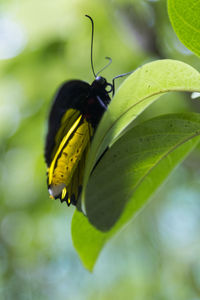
x=136 y=93
x=185 y=18
x=128 y=174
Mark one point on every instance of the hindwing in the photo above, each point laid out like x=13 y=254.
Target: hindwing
x=65 y=173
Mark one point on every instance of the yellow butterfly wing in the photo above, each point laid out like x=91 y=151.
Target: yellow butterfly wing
x=65 y=173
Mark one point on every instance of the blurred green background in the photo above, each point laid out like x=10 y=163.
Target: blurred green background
x=42 y=44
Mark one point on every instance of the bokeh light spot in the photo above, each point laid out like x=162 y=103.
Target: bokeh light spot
x=12 y=38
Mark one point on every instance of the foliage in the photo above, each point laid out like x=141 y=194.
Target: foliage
x=121 y=196
x=138 y=163
x=184 y=16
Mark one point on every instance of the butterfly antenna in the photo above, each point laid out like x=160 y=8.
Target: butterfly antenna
x=118 y=76
x=110 y=61
x=92 y=45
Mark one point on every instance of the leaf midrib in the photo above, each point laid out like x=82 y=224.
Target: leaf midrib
x=163 y=157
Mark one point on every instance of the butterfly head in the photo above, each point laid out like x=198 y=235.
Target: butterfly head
x=100 y=83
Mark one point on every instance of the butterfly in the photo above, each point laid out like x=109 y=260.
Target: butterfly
x=74 y=116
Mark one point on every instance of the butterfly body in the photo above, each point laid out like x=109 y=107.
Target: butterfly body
x=76 y=111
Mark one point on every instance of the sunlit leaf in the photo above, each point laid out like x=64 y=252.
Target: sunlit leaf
x=185 y=18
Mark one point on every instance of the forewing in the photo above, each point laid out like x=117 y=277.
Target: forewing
x=66 y=108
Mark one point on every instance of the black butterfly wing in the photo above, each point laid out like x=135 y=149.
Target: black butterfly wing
x=71 y=95
x=68 y=140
